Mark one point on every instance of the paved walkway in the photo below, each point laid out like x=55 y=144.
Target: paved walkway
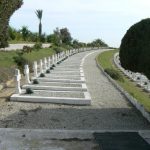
x=115 y=112
x=109 y=111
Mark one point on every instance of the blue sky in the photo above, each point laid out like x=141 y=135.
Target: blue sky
x=85 y=19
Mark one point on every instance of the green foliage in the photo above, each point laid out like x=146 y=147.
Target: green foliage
x=47 y=71
x=43 y=38
x=42 y=75
x=37 y=46
x=53 y=66
x=114 y=74
x=29 y=91
x=58 y=49
x=7 y=8
x=25 y=32
x=35 y=81
x=20 y=60
x=77 y=44
x=65 y=36
x=135 y=48
x=27 y=49
x=97 y=43
x=60 y=37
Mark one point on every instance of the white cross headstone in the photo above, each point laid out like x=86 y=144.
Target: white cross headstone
x=53 y=60
x=49 y=62
x=26 y=72
x=41 y=66
x=17 y=79
x=45 y=64
x=35 y=69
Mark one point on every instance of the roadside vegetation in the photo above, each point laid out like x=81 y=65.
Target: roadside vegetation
x=105 y=59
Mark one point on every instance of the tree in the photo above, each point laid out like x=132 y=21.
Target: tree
x=135 y=48
x=65 y=36
x=98 y=43
x=7 y=8
x=11 y=33
x=25 y=33
x=39 y=14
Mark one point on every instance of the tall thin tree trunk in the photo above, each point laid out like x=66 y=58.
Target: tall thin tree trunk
x=40 y=29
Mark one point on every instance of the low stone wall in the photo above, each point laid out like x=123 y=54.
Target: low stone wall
x=126 y=94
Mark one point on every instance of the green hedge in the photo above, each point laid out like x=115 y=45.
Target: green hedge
x=7 y=8
x=135 y=48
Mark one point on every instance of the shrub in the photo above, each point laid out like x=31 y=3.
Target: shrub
x=51 y=68
x=29 y=91
x=47 y=71
x=42 y=75
x=37 y=46
x=114 y=74
x=20 y=60
x=27 y=49
x=35 y=81
x=135 y=48
x=58 y=62
x=58 y=49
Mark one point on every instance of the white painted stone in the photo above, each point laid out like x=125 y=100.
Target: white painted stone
x=26 y=72
x=49 y=62
x=55 y=88
x=56 y=100
x=35 y=69
x=41 y=66
x=45 y=64
x=17 y=79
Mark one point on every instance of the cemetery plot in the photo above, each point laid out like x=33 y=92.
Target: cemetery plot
x=61 y=84
x=71 y=98
x=82 y=80
x=52 y=83
x=46 y=93
x=55 y=88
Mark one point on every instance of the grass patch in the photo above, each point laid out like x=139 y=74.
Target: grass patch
x=36 y=55
x=105 y=59
x=7 y=61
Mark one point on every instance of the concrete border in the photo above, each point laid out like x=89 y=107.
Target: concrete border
x=61 y=80
x=61 y=134
x=55 y=88
x=54 y=100
x=132 y=100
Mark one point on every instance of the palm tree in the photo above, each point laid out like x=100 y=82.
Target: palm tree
x=39 y=15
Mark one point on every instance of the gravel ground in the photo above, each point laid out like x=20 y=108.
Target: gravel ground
x=57 y=94
x=62 y=77
x=109 y=109
x=64 y=73
x=60 y=84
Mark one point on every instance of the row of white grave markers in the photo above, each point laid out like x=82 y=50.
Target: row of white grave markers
x=139 y=78
x=43 y=65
